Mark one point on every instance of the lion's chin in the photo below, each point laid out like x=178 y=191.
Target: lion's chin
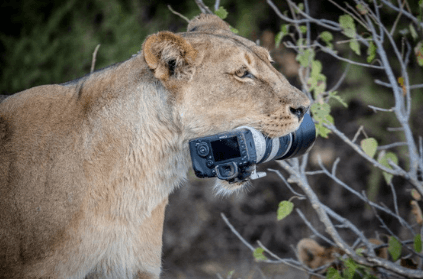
x=224 y=188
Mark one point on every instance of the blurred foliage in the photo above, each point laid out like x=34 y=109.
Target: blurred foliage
x=53 y=42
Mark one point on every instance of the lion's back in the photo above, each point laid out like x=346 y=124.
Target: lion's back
x=39 y=173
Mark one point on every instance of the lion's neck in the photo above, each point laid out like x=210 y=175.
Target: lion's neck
x=138 y=146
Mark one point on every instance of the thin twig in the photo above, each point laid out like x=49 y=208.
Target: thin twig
x=204 y=9
x=310 y=226
x=94 y=58
x=235 y=232
x=286 y=183
x=376 y=109
x=176 y=13
x=383 y=147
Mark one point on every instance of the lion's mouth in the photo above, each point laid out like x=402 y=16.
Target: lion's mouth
x=224 y=188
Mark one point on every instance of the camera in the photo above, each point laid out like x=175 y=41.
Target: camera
x=233 y=155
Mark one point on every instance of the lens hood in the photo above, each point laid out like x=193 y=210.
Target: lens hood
x=302 y=139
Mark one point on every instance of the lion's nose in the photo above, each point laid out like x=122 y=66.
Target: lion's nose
x=298 y=112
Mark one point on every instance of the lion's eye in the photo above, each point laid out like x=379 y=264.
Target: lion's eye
x=244 y=73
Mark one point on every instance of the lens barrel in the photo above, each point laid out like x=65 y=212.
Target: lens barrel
x=292 y=145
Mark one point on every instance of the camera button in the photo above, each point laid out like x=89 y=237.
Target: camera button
x=209 y=164
x=203 y=149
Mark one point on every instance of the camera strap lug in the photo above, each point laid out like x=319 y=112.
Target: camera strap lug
x=256 y=175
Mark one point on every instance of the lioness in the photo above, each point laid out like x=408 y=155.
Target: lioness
x=86 y=167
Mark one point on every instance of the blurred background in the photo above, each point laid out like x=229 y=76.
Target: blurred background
x=44 y=42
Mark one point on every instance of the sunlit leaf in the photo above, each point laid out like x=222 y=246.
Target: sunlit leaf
x=285 y=208
x=394 y=248
x=355 y=46
x=233 y=30
x=305 y=57
x=281 y=34
x=361 y=9
x=351 y=267
x=221 y=12
x=371 y=52
x=332 y=274
x=258 y=254
x=322 y=131
x=369 y=146
x=301 y=6
x=278 y=39
x=333 y=95
x=418 y=243
x=327 y=37
x=384 y=160
x=418 y=50
x=347 y=25
x=413 y=31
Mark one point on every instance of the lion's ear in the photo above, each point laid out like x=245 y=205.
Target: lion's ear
x=168 y=54
x=207 y=22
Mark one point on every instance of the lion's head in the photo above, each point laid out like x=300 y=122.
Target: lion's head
x=220 y=81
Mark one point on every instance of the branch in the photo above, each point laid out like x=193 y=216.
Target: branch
x=204 y=9
x=407 y=14
x=176 y=13
x=322 y=22
x=94 y=58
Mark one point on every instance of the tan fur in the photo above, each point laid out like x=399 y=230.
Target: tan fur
x=86 y=167
x=314 y=255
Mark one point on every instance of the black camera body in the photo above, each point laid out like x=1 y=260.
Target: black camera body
x=224 y=155
x=233 y=155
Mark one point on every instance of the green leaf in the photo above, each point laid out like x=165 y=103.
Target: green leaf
x=230 y=273
x=285 y=208
x=369 y=146
x=305 y=57
x=285 y=28
x=394 y=248
x=303 y=29
x=418 y=50
x=301 y=6
x=383 y=160
x=333 y=95
x=322 y=131
x=359 y=251
x=221 y=12
x=321 y=113
x=284 y=31
x=327 y=37
x=347 y=25
x=371 y=52
x=233 y=30
x=413 y=31
x=258 y=254
x=361 y=9
x=355 y=46
x=421 y=3
x=351 y=267
x=278 y=39
x=418 y=243
x=332 y=274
